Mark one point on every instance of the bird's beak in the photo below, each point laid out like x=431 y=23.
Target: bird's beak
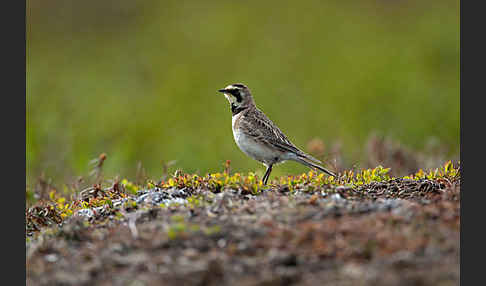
x=222 y=90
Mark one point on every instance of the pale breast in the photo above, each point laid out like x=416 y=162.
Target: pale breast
x=253 y=148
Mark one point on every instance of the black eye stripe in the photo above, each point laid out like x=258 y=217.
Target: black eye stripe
x=236 y=93
x=238 y=96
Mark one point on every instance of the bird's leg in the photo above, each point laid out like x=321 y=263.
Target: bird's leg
x=267 y=174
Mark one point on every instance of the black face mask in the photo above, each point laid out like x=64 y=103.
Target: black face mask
x=236 y=93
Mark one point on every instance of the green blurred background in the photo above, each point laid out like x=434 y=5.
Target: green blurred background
x=137 y=80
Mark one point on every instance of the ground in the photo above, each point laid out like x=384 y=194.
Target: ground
x=360 y=229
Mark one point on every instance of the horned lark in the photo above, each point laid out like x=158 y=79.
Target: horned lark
x=258 y=137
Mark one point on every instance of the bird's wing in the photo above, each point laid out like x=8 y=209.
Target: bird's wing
x=264 y=130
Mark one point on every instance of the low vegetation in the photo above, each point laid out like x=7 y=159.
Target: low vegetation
x=363 y=226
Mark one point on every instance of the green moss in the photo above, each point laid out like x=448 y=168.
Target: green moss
x=59 y=207
x=129 y=186
x=212 y=230
x=195 y=201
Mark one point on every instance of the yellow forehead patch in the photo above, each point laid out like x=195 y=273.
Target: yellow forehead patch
x=231 y=87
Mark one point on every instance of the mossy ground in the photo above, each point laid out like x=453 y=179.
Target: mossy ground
x=361 y=228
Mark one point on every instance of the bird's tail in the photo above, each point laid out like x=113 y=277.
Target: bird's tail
x=307 y=161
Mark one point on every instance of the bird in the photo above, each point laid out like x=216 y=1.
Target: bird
x=258 y=137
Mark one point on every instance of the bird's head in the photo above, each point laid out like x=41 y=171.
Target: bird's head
x=238 y=95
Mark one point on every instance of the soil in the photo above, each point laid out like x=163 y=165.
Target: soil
x=399 y=232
